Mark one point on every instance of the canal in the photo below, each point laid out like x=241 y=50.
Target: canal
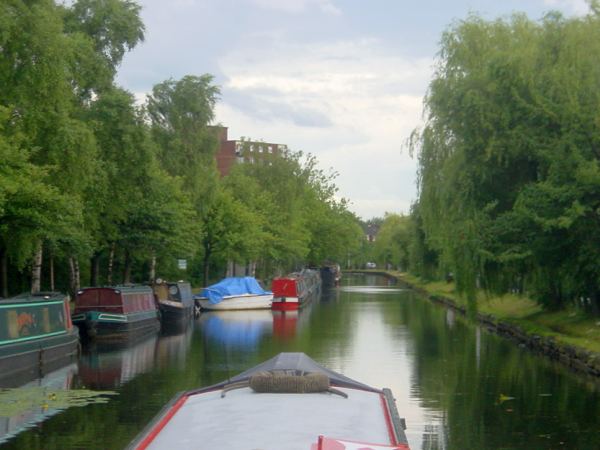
x=458 y=386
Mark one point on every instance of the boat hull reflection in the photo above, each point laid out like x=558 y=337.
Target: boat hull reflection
x=236 y=329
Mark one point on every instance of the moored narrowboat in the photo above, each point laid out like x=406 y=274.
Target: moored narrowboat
x=295 y=290
x=35 y=330
x=175 y=301
x=331 y=274
x=286 y=403
x=118 y=312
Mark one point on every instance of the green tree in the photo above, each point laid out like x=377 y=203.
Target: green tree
x=393 y=241
x=508 y=159
x=180 y=113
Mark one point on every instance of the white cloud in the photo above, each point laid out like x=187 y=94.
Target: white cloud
x=298 y=6
x=140 y=97
x=351 y=103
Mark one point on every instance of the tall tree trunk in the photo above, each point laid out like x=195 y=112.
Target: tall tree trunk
x=152 y=274
x=206 y=262
x=77 y=275
x=36 y=270
x=111 y=261
x=52 y=273
x=94 y=269
x=127 y=268
x=4 y=272
x=74 y=276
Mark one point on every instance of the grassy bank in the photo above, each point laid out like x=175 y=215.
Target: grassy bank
x=569 y=327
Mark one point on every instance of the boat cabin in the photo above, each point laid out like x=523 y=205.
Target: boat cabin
x=28 y=317
x=178 y=292
x=35 y=331
x=118 y=299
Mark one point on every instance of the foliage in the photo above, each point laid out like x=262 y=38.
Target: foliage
x=89 y=180
x=508 y=159
x=180 y=112
x=393 y=241
x=303 y=223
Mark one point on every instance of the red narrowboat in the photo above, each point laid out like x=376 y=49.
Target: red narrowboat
x=295 y=290
x=118 y=312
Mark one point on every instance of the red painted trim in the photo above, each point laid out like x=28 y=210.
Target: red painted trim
x=284 y=306
x=388 y=420
x=160 y=425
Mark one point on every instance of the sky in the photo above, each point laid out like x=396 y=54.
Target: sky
x=343 y=80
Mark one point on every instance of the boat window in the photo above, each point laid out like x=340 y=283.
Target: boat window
x=23 y=320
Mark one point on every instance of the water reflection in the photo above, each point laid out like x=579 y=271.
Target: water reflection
x=105 y=367
x=236 y=329
x=287 y=324
x=458 y=386
x=173 y=346
x=20 y=409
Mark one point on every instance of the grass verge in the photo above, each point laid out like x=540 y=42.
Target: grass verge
x=567 y=327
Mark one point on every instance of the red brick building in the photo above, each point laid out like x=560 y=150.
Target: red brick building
x=243 y=151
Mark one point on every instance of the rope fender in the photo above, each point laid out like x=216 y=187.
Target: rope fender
x=285 y=383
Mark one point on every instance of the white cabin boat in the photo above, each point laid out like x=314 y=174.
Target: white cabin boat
x=286 y=403
x=234 y=293
x=237 y=302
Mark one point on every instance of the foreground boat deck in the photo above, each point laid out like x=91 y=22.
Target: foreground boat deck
x=246 y=420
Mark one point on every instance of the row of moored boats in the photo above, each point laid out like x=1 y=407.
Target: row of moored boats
x=39 y=328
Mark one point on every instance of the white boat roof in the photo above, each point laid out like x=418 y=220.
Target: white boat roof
x=246 y=420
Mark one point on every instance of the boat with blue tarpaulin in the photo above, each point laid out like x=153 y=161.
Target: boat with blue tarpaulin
x=234 y=293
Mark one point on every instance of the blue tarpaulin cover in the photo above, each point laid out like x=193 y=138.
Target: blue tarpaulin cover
x=232 y=286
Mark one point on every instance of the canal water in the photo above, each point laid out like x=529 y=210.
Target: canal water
x=458 y=386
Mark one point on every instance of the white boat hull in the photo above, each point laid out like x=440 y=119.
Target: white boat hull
x=238 y=302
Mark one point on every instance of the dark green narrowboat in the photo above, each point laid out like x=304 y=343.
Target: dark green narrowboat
x=119 y=312
x=35 y=331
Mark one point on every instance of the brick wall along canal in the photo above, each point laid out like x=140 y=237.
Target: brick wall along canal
x=458 y=386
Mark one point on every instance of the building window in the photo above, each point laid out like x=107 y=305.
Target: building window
x=240 y=159
x=270 y=149
x=251 y=147
x=251 y=160
x=238 y=148
x=260 y=149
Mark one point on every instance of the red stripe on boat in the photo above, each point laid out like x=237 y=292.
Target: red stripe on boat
x=284 y=306
x=388 y=420
x=160 y=425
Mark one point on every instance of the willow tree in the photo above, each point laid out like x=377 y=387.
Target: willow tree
x=508 y=159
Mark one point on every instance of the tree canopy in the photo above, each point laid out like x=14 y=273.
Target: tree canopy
x=509 y=182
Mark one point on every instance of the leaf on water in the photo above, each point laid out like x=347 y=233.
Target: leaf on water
x=18 y=401
x=503 y=398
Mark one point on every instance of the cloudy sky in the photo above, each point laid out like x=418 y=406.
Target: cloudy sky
x=342 y=79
